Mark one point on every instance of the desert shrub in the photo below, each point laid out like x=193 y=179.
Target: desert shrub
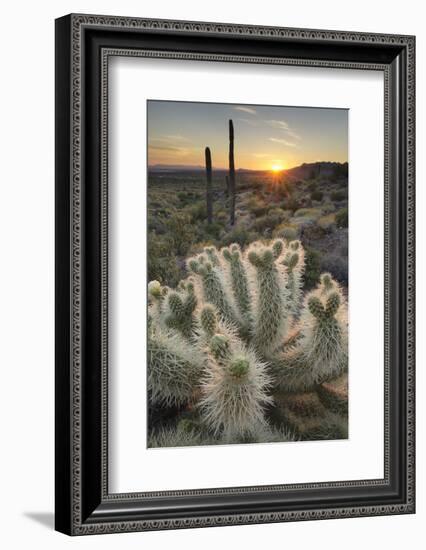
x=327 y=222
x=162 y=263
x=239 y=235
x=312 y=187
x=328 y=207
x=179 y=232
x=336 y=265
x=279 y=214
x=213 y=230
x=284 y=189
x=270 y=220
x=262 y=225
x=339 y=196
x=312 y=267
x=344 y=249
x=292 y=204
x=286 y=231
x=313 y=213
x=155 y=223
x=222 y=216
x=317 y=195
x=254 y=185
x=252 y=201
x=312 y=232
x=342 y=218
x=198 y=211
x=260 y=210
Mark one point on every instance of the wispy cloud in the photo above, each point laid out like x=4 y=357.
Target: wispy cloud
x=284 y=126
x=283 y=142
x=279 y=124
x=177 y=138
x=166 y=148
x=169 y=138
x=248 y=121
x=248 y=110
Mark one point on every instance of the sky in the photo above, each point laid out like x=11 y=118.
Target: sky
x=266 y=137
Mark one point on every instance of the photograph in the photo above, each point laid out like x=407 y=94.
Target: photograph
x=248 y=287
x=234 y=273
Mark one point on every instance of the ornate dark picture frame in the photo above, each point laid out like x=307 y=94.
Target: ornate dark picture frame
x=84 y=44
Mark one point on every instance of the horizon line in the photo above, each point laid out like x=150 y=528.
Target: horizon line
x=201 y=167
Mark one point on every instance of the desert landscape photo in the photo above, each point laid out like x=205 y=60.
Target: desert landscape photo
x=248 y=273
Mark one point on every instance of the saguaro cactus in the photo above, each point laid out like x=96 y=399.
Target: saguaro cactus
x=231 y=173
x=209 y=190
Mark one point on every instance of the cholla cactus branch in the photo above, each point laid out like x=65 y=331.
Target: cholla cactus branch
x=271 y=309
x=180 y=314
x=236 y=332
x=213 y=288
x=174 y=368
x=238 y=279
x=234 y=396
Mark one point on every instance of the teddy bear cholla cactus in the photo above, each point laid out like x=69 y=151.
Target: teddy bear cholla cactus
x=238 y=329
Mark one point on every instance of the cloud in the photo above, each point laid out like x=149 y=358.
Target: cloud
x=261 y=155
x=165 y=148
x=279 y=124
x=284 y=126
x=248 y=110
x=248 y=121
x=283 y=142
x=170 y=138
x=177 y=138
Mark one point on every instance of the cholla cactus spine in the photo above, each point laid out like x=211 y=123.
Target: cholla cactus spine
x=238 y=280
x=234 y=331
x=294 y=260
x=271 y=306
x=213 y=287
x=174 y=368
x=179 y=314
x=235 y=394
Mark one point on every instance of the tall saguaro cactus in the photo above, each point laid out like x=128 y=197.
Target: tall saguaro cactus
x=231 y=173
x=209 y=190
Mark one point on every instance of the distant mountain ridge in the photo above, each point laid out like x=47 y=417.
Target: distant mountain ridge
x=316 y=169
x=174 y=168
x=304 y=171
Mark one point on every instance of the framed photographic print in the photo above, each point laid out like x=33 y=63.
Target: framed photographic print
x=234 y=274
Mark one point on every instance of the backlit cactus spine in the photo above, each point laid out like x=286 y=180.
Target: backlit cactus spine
x=235 y=384
x=321 y=353
x=174 y=365
x=271 y=297
x=238 y=330
x=294 y=260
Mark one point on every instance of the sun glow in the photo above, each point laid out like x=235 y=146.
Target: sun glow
x=276 y=168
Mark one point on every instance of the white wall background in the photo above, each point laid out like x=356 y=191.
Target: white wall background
x=26 y=288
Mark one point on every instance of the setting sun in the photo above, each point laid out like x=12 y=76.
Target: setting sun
x=276 y=168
